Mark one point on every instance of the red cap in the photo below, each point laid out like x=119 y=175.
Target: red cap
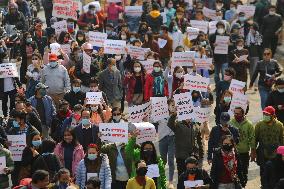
x=52 y=57
x=93 y=146
x=269 y=110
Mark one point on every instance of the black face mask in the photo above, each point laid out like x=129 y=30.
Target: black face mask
x=191 y=171
x=148 y=153
x=227 y=147
x=141 y=171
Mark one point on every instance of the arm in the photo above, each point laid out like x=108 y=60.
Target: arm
x=210 y=146
x=251 y=137
x=27 y=9
x=255 y=74
x=130 y=147
x=277 y=70
x=172 y=123
x=107 y=174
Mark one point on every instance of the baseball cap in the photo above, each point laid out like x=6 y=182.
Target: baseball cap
x=41 y=86
x=225 y=118
x=269 y=110
x=52 y=57
x=280 y=150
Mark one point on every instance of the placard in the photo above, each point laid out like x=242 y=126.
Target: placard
x=146 y=132
x=162 y=43
x=8 y=70
x=160 y=109
x=60 y=27
x=66 y=8
x=222 y=44
x=148 y=65
x=182 y=58
x=97 y=38
x=238 y=100
x=139 y=113
x=201 y=25
x=249 y=10
x=90 y=175
x=2 y=164
x=133 y=10
x=196 y=83
x=94 y=97
x=87 y=60
x=114 y=46
x=54 y=48
x=192 y=32
x=202 y=114
x=203 y=63
x=18 y=144
x=66 y=48
x=137 y=52
x=114 y=132
x=184 y=106
x=237 y=86
x=209 y=13
x=193 y=183
x=153 y=171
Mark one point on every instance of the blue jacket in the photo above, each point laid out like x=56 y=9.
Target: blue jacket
x=215 y=139
x=49 y=107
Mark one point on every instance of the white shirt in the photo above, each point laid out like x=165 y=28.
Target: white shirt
x=8 y=84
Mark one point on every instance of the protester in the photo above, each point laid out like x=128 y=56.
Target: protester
x=4 y=179
x=76 y=96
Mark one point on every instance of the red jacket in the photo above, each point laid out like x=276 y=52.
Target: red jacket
x=87 y=18
x=149 y=84
x=130 y=85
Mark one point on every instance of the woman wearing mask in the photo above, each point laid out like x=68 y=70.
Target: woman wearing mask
x=116 y=116
x=63 y=180
x=64 y=38
x=226 y=168
x=80 y=37
x=170 y=12
x=134 y=82
x=268 y=70
x=124 y=36
x=69 y=151
x=223 y=105
x=175 y=34
x=141 y=181
x=150 y=42
x=94 y=164
x=177 y=78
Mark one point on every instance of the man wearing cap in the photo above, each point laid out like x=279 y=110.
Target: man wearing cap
x=276 y=99
x=268 y=136
x=56 y=77
x=14 y=17
x=44 y=106
x=217 y=132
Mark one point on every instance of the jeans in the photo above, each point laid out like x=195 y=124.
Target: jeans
x=167 y=151
x=244 y=159
x=226 y=186
x=263 y=92
x=11 y=95
x=253 y=64
x=219 y=68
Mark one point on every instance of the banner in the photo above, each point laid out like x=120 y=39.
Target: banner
x=249 y=10
x=114 y=46
x=66 y=48
x=97 y=38
x=209 y=13
x=133 y=10
x=66 y=8
x=94 y=97
x=222 y=44
x=8 y=70
x=60 y=27
x=148 y=65
x=203 y=63
x=201 y=25
x=2 y=164
x=192 y=32
x=193 y=183
x=87 y=60
x=137 y=52
x=159 y=108
x=238 y=100
x=139 y=113
x=237 y=86
x=54 y=48
x=18 y=144
x=114 y=132
x=184 y=106
x=182 y=59
x=196 y=83
x=202 y=114
x=146 y=132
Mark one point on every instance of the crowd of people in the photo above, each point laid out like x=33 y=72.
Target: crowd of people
x=63 y=147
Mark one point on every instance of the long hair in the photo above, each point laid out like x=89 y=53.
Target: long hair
x=154 y=158
x=74 y=138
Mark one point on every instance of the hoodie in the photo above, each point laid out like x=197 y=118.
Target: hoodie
x=154 y=20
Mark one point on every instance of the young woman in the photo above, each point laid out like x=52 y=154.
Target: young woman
x=170 y=12
x=224 y=105
x=80 y=37
x=116 y=116
x=69 y=151
x=177 y=78
x=64 y=38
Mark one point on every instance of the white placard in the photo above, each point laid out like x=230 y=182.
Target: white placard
x=8 y=70
x=95 y=3
x=192 y=32
x=159 y=108
x=97 y=38
x=148 y=65
x=164 y=15
x=222 y=44
x=193 y=183
x=114 y=132
x=146 y=132
x=87 y=60
x=238 y=100
x=60 y=27
x=133 y=10
x=66 y=8
x=18 y=144
x=2 y=164
x=249 y=10
x=54 y=48
x=237 y=86
x=66 y=48
x=137 y=52
x=196 y=83
x=139 y=113
x=202 y=114
x=243 y=57
x=114 y=46
x=203 y=63
x=162 y=43
x=209 y=13
x=201 y=25
x=90 y=175
x=94 y=97
x=153 y=171
x=182 y=58
x=184 y=106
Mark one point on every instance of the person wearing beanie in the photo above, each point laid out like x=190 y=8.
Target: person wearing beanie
x=14 y=17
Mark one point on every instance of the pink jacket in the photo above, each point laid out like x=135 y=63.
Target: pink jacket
x=78 y=155
x=113 y=11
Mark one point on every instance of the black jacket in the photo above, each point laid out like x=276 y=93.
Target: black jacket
x=75 y=98
x=271 y=23
x=274 y=99
x=85 y=77
x=273 y=172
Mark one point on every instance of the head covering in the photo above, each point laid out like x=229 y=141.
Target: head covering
x=280 y=150
x=53 y=57
x=269 y=110
x=225 y=118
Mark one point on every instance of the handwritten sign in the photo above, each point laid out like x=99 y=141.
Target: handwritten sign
x=114 y=132
x=87 y=60
x=148 y=65
x=238 y=100
x=182 y=58
x=137 y=52
x=209 y=13
x=54 y=48
x=66 y=48
x=133 y=10
x=8 y=70
x=159 y=108
x=66 y=8
x=18 y=144
x=2 y=164
x=203 y=63
x=162 y=43
x=60 y=27
x=139 y=113
x=114 y=46
x=197 y=83
x=97 y=38
x=153 y=171
x=192 y=32
x=201 y=25
x=202 y=114
x=184 y=106
x=146 y=132
x=249 y=10
x=222 y=44
x=94 y=97
x=193 y=183
x=243 y=57
x=237 y=86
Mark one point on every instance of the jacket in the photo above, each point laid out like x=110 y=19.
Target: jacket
x=215 y=139
x=154 y=20
x=271 y=24
x=49 y=107
x=167 y=50
x=4 y=179
x=113 y=11
x=149 y=85
x=86 y=77
x=104 y=174
x=130 y=83
x=246 y=130
x=273 y=172
x=87 y=18
x=200 y=174
x=78 y=155
x=75 y=98
x=239 y=67
x=79 y=134
x=275 y=98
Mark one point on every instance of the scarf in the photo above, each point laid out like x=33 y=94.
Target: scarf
x=253 y=39
x=141 y=180
x=230 y=163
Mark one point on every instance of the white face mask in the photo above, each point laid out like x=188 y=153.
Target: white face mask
x=123 y=37
x=34 y=62
x=271 y=13
x=116 y=118
x=220 y=30
x=219 y=18
x=179 y=75
x=113 y=68
x=117 y=57
x=94 y=108
x=240 y=47
x=137 y=69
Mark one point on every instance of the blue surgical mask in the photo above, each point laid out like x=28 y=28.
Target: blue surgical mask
x=16 y=124
x=281 y=90
x=227 y=99
x=53 y=64
x=242 y=18
x=36 y=143
x=85 y=121
x=92 y=156
x=42 y=92
x=76 y=89
x=108 y=32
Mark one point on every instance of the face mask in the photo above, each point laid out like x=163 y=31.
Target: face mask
x=117 y=58
x=240 y=48
x=94 y=89
x=280 y=90
x=170 y=6
x=16 y=124
x=227 y=147
x=94 y=108
x=80 y=56
x=53 y=64
x=227 y=78
x=232 y=8
x=219 y=7
x=189 y=70
x=157 y=69
x=108 y=32
x=85 y=121
x=123 y=37
x=132 y=39
x=92 y=156
x=239 y=118
x=36 y=143
x=42 y=92
x=220 y=30
x=80 y=38
x=271 y=13
x=113 y=68
x=266 y=118
x=34 y=62
x=116 y=118
x=242 y=18
x=137 y=69
x=227 y=99
x=148 y=153
x=76 y=89
x=191 y=171
x=29 y=40
x=203 y=43
x=195 y=98
x=179 y=75
x=141 y=171
x=91 y=11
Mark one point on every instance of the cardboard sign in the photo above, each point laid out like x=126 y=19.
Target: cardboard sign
x=66 y=8
x=196 y=83
x=148 y=65
x=137 y=52
x=114 y=46
x=153 y=171
x=139 y=113
x=202 y=114
x=238 y=100
x=133 y=10
x=193 y=183
x=237 y=86
x=114 y=132
x=203 y=63
x=18 y=144
x=8 y=70
x=66 y=48
x=159 y=108
x=185 y=109
x=201 y=25
x=94 y=97
x=60 y=27
x=182 y=58
x=209 y=13
x=162 y=43
x=54 y=48
x=222 y=44
x=87 y=60
x=97 y=38
x=192 y=32
x=146 y=132
x=249 y=10
x=2 y=164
